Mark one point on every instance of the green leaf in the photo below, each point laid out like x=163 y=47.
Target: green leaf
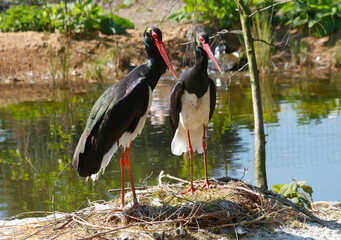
x=277 y=187
x=285 y=190
x=289 y=189
x=307 y=189
x=301 y=183
x=295 y=200
x=108 y=28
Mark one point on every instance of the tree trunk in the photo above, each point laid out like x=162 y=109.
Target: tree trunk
x=260 y=168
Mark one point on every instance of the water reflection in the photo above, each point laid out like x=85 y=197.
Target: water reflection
x=303 y=124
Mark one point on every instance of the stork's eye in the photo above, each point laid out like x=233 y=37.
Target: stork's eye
x=155 y=36
x=201 y=39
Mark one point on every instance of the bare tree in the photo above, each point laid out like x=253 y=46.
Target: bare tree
x=260 y=157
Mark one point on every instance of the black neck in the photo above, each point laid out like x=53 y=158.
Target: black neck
x=201 y=62
x=197 y=82
x=156 y=66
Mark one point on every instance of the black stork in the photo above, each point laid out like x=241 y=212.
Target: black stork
x=191 y=106
x=119 y=114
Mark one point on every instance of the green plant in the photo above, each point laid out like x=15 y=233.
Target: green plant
x=54 y=18
x=179 y=15
x=262 y=30
x=299 y=54
x=222 y=11
x=53 y=65
x=321 y=15
x=291 y=191
x=65 y=63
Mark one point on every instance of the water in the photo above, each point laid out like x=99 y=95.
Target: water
x=302 y=120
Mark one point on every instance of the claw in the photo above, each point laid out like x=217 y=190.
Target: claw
x=191 y=190
x=135 y=204
x=207 y=185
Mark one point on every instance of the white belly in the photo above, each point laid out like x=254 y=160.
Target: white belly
x=195 y=113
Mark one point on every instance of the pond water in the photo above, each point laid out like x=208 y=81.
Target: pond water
x=302 y=123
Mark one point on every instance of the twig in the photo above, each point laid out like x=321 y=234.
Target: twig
x=43 y=228
x=115 y=35
x=167 y=12
x=270 y=6
x=52 y=191
x=277 y=44
x=239 y=70
x=127 y=189
x=147 y=177
x=290 y=27
x=69 y=220
x=92 y=8
x=288 y=202
x=109 y=231
x=222 y=32
x=83 y=222
x=257 y=220
x=176 y=178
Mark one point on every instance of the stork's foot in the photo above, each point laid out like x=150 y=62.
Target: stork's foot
x=135 y=203
x=190 y=191
x=207 y=185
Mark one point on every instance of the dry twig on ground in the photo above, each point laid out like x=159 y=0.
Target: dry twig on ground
x=231 y=203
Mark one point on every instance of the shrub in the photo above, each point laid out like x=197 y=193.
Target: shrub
x=53 y=17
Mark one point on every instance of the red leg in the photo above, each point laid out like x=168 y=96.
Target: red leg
x=190 y=150
x=207 y=184
x=127 y=165
x=122 y=178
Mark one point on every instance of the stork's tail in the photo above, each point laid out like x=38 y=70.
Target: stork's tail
x=180 y=141
x=91 y=163
x=105 y=161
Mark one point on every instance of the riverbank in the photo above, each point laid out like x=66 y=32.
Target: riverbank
x=35 y=59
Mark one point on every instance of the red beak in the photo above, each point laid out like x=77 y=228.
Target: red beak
x=207 y=48
x=163 y=53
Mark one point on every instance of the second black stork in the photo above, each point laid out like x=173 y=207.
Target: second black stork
x=119 y=115
x=191 y=106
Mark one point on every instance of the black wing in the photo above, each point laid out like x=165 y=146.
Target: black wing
x=175 y=104
x=212 y=97
x=115 y=112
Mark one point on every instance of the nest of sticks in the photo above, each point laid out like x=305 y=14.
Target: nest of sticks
x=165 y=213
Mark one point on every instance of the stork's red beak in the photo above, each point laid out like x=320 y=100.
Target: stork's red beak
x=163 y=53
x=207 y=48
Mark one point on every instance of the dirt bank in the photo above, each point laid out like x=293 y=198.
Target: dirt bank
x=38 y=60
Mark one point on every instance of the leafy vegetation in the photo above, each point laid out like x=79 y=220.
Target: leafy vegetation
x=291 y=191
x=263 y=30
x=321 y=15
x=76 y=17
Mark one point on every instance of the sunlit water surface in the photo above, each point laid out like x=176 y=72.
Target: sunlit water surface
x=302 y=123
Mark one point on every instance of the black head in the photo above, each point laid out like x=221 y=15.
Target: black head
x=203 y=43
x=153 y=41
x=151 y=36
x=201 y=39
